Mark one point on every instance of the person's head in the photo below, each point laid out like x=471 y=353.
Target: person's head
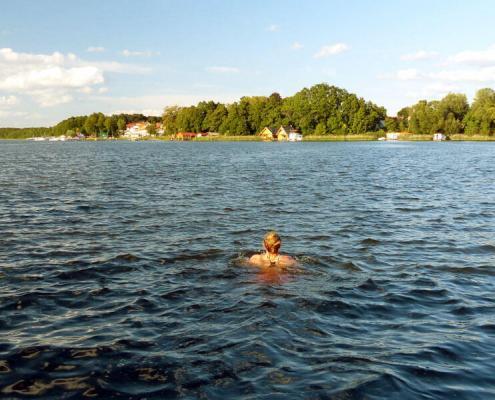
x=272 y=242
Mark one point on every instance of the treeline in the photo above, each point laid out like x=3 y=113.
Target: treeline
x=451 y=115
x=320 y=110
x=96 y=124
x=23 y=133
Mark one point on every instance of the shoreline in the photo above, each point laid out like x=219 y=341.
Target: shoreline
x=310 y=138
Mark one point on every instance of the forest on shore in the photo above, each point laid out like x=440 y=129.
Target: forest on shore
x=319 y=110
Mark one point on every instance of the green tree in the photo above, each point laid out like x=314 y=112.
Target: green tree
x=213 y=120
x=236 y=122
x=121 y=124
x=320 y=129
x=169 y=119
x=108 y=125
x=452 y=110
x=403 y=119
x=480 y=119
x=391 y=124
x=151 y=129
x=90 y=125
x=424 y=117
x=100 y=123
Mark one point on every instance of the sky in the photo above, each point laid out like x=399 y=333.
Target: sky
x=65 y=58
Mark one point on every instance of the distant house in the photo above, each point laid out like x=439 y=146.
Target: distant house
x=288 y=133
x=392 y=136
x=136 y=130
x=268 y=134
x=185 y=135
x=439 y=137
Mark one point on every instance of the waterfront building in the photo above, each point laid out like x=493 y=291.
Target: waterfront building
x=288 y=133
x=268 y=134
x=136 y=130
x=392 y=136
x=185 y=135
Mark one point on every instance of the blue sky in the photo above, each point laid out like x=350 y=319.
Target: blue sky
x=63 y=58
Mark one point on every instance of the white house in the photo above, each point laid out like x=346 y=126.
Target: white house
x=392 y=136
x=439 y=137
x=295 y=136
x=136 y=130
x=288 y=133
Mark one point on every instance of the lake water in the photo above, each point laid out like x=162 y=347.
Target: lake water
x=121 y=270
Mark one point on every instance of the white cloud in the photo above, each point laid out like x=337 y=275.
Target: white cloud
x=8 y=101
x=51 y=97
x=419 y=55
x=223 y=70
x=435 y=90
x=297 y=46
x=477 y=58
x=446 y=75
x=9 y=56
x=467 y=75
x=12 y=114
x=273 y=28
x=103 y=90
x=95 y=49
x=331 y=50
x=86 y=90
x=52 y=79
x=147 y=53
x=408 y=74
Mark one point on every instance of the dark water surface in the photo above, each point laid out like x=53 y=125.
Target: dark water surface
x=121 y=273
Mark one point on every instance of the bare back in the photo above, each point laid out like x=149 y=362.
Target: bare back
x=262 y=261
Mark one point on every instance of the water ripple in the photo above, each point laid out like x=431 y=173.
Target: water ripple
x=123 y=273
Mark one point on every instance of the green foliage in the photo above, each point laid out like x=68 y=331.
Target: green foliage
x=90 y=124
x=169 y=119
x=320 y=129
x=403 y=119
x=24 y=133
x=214 y=119
x=424 y=117
x=319 y=110
x=121 y=124
x=325 y=108
x=449 y=115
x=392 y=124
x=151 y=129
x=452 y=110
x=480 y=119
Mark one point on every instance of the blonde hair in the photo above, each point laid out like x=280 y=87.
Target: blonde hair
x=272 y=242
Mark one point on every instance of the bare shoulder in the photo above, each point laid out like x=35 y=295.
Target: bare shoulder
x=255 y=259
x=287 y=261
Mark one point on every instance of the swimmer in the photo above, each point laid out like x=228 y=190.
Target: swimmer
x=272 y=258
